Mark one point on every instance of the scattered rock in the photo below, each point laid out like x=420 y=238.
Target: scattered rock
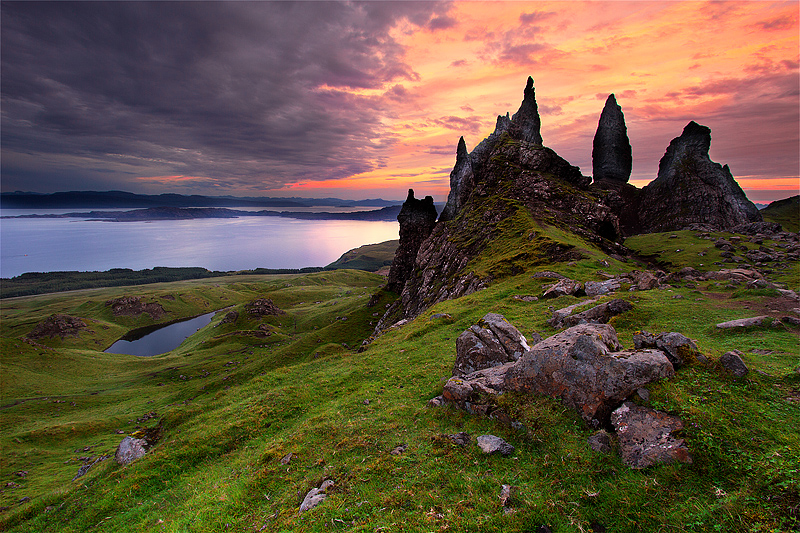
x=599 y=314
x=732 y=362
x=398 y=450
x=133 y=306
x=85 y=468
x=525 y=298
x=130 y=449
x=263 y=307
x=461 y=438
x=742 y=323
x=58 y=326
x=564 y=287
x=490 y=444
x=611 y=150
x=315 y=496
x=679 y=349
x=508 y=498
x=645 y=438
x=441 y=316
x=286 y=459
x=598 y=288
x=229 y=318
x=600 y=442
x=491 y=342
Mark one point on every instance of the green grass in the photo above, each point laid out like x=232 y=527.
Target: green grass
x=233 y=403
x=785 y=212
x=370 y=257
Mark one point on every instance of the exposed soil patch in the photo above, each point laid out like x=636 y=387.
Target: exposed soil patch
x=776 y=307
x=58 y=326
x=133 y=306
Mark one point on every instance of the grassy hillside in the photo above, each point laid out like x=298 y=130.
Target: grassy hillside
x=370 y=257
x=233 y=402
x=785 y=212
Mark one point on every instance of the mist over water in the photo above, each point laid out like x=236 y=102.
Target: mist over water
x=46 y=245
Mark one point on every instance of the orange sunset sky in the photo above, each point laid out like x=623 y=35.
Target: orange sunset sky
x=396 y=85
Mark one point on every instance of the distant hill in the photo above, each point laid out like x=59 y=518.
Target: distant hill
x=785 y=212
x=122 y=199
x=370 y=257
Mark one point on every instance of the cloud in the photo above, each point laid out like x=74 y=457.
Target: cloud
x=535 y=16
x=253 y=95
x=781 y=22
x=472 y=124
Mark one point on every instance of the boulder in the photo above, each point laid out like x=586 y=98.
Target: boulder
x=598 y=288
x=644 y=436
x=732 y=362
x=564 y=287
x=491 y=342
x=612 y=157
x=263 y=307
x=471 y=388
x=130 y=449
x=584 y=367
x=744 y=323
x=692 y=189
x=315 y=496
x=417 y=219
x=599 y=314
x=490 y=444
x=679 y=349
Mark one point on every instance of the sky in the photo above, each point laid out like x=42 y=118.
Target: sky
x=368 y=99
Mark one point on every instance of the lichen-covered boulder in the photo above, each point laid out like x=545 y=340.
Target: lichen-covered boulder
x=130 y=449
x=491 y=342
x=645 y=438
x=584 y=366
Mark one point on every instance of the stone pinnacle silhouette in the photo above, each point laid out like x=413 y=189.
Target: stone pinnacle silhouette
x=611 y=149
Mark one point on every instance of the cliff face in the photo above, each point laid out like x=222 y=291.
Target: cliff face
x=692 y=189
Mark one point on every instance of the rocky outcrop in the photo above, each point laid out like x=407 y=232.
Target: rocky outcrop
x=692 y=189
x=493 y=341
x=462 y=181
x=262 y=307
x=417 y=219
x=134 y=306
x=526 y=124
x=58 y=326
x=585 y=367
x=645 y=436
x=611 y=150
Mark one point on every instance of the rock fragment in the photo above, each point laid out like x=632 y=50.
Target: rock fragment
x=490 y=444
x=315 y=496
x=130 y=449
x=493 y=341
x=733 y=363
x=743 y=323
x=645 y=436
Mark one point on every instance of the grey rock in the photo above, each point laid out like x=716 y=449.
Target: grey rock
x=564 y=287
x=679 y=349
x=508 y=497
x=417 y=219
x=315 y=496
x=461 y=438
x=690 y=188
x=584 y=367
x=732 y=362
x=611 y=149
x=561 y=314
x=790 y=320
x=491 y=444
x=645 y=438
x=599 y=314
x=493 y=341
x=743 y=323
x=598 y=288
x=129 y=450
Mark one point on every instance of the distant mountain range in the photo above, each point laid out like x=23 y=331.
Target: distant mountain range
x=122 y=199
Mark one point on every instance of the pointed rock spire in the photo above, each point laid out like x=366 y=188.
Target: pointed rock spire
x=611 y=149
x=461 y=182
x=526 y=124
x=692 y=189
x=417 y=219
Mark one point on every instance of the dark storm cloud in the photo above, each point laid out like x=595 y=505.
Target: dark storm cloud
x=254 y=94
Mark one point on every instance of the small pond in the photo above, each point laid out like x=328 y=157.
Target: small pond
x=156 y=340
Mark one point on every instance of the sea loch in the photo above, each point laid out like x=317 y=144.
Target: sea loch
x=46 y=245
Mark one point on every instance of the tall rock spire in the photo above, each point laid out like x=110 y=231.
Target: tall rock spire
x=417 y=219
x=461 y=183
x=690 y=188
x=526 y=124
x=611 y=149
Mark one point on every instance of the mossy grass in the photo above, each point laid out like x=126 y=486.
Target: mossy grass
x=232 y=403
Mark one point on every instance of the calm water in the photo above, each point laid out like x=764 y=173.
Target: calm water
x=163 y=339
x=45 y=245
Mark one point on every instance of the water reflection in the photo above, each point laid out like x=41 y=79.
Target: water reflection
x=147 y=342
